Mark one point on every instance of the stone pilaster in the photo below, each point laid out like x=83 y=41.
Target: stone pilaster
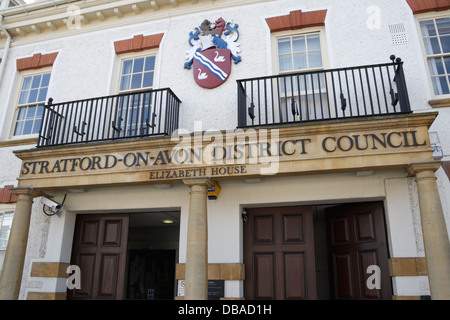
x=435 y=236
x=197 y=241
x=15 y=252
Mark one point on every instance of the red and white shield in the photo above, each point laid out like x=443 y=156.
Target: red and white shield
x=212 y=67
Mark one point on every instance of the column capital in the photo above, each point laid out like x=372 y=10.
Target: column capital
x=208 y=182
x=415 y=168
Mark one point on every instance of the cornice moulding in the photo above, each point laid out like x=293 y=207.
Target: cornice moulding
x=48 y=20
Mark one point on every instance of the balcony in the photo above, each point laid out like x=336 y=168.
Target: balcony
x=131 y=115
x=323 y=95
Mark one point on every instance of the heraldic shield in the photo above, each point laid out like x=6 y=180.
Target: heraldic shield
x=211 y=67
x=213 y=48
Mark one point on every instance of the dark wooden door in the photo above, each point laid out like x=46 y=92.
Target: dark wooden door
x=279 y=254
x=357 y=240
x=99 y=249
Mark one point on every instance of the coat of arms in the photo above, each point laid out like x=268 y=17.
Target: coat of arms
x=214 y=47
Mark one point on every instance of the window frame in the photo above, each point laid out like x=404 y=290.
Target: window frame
x=134 y=55
x=17 y=106
x=3 y=212
x=275 y=36
x=292 y=33
x=118 y=76
x=425 y=17
x=6 y=209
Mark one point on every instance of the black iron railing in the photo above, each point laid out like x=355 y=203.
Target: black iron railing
x=326 y=94
x=137 y=114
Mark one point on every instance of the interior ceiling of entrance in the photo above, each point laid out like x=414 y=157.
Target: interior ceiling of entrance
x=155 y=219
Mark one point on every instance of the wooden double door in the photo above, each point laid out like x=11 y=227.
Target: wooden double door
x=279 y=252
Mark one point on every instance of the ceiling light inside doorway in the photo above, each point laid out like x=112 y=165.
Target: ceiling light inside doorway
x=167 y=221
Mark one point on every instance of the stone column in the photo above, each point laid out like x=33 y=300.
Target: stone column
x=197 y=241
x=15 y=252
x=435 y=236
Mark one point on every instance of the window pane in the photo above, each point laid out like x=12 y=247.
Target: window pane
x=40 y=111
x=7 y=220
x=146 y=115
x=284 y=46
x=45 y=80
x=300 y=61
x=125 y=83
x=36 y=82
x=432 y=46
x=440 y=85
x=148 y=80
x=28 y=127
x=298 y=44
x=24 y=97
x=31 y=113
x=443 y=26
x=37 y=126
x=22 y=113
x=427 y=28
x=313 y=42
x=147 y=98
x=42 y=94
x=447 y=64
x=435 y=65
x=19 y=128
x=133 y=117
x=4 y=235
x=26 y=83
x=445 y=42
x=33 y=96
x=285 y=63
x=315 y=60
x=136 y=81
x=150 y=63
x=138 y=65
x=127 y=66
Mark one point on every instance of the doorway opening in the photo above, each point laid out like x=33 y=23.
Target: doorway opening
x=152 y=253
x=284 y=259
x=126 y=256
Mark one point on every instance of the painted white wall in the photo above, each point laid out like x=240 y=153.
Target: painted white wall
x=86 y=66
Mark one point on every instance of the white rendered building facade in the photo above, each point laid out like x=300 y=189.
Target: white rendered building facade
x=266 y=149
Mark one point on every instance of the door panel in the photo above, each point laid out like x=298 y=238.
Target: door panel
x=365 y=259
x=263 y=232
x=99 y=249
x=279 y=254
x=292 y=229
x=89 y=234
x=294 y=277
x=86 y=262
x=342 y=271
x=357 y=240
x=264 y=276
x=108 y=276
